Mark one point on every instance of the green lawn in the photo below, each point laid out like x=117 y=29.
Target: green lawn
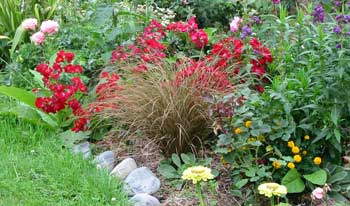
x=36 y=171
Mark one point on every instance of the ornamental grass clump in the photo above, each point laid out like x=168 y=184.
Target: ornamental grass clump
x=173 y=116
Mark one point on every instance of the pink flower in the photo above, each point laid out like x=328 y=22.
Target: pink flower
x=38 y=38
x=30 y=24
x=318 y=193
x=234 y=25
x=49 y=27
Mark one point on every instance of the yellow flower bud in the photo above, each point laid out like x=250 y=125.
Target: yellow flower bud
x=276 y=164
x=295 y=150
x=306 y=137
x=297 y=158
x=238 y=131
x=317 y=160
x=291 y=144
x=248 y=124
x=261 y=138
x=304 y=152
x=291 y=165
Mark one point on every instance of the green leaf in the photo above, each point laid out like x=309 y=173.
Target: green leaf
x=337 y=176
x=17 y=39
x=188 y=158
x=4 y=37
x=335 y=115
x=19 y=94
x=168 y=172
x=293 y=182
x=241 y=183
x=176 y=159
x=318 y=178
x=37 y=77
x=69 y=138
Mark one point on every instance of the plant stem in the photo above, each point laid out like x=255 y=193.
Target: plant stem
x=199 y=194
x=272 y=200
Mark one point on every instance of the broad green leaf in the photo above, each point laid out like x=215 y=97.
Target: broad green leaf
x=37 y=77
x=69 y=138
x=19 y=94
x=241 y=183
x=293 y=182
x=318 y=178
x=168 y=172
x=47 y=118
x=176 y=159
x=188 y=158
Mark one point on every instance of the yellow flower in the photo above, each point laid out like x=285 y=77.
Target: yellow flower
x=297 y=158
x=197 y=174
x=291 y=144
x=248 y=124
x=304 y=152
x=238 y=131
x=295 y=150
x=291 y=165
x=251 y=140
x=317 y=160
x=276 y=164
x=272 y=189
x=306 y=137
x=244 y=148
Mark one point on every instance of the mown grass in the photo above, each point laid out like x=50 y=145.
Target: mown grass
x=36 y=171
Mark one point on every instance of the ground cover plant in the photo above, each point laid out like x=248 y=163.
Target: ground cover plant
x=242 y=102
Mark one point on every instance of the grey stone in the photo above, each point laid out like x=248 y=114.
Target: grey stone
x=123 y=169
x=143 y=199
x=83 y=148
x=142 y=180
x=105 y=160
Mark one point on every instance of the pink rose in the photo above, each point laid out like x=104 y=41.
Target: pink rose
x=235 y=23
x=38 y=38
x=30 y=24
x=49 y=27
x=318 y=193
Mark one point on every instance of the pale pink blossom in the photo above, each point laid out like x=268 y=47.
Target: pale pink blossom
x=235 y=23
x=30 y=24
x=49 y=27
x=318 y=193
x=38 y=38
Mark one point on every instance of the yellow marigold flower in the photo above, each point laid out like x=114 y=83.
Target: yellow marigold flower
x=276 y=164
x=272 y=189
x=197 y=174
x=238 y=131
x=248 y=124
x=291 y=144
x=317 y=160
x=304 y=152
x=297 y=158
x=291 y=165
x=295 y=150
x=261 y=138
x=306 y=137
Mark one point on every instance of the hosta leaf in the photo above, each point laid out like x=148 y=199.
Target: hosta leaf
x=318 y=178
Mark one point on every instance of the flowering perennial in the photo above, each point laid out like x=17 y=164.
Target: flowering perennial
x=62 y=94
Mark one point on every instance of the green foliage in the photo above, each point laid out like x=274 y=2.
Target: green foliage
x=173 y=167
x=293 y=182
